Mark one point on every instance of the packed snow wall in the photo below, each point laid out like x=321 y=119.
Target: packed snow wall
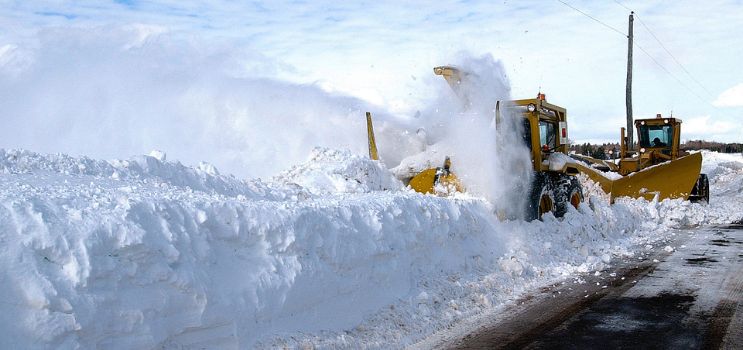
x=148 y=253
x=143 y=252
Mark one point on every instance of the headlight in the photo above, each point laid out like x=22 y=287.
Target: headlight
x=666 y=121
x=642 y=150
x=531 y=107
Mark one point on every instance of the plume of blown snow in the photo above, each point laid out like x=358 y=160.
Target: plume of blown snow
x=490 y=158
x=110 y=92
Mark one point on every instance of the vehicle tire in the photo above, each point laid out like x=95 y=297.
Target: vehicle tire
x=541 y=198
x=700 y=192
x=705 y=185
x=569 y=192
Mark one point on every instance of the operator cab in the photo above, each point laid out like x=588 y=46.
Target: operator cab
x=543 y=127
x=544 y=122
x=659 y=134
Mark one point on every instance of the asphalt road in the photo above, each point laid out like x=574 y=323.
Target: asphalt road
x=688 y=298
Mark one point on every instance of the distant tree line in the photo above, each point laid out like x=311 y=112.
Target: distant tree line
x=602 y=151
x=611 y=150
x=713 y=146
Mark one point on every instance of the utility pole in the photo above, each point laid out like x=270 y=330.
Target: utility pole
x=630 y=127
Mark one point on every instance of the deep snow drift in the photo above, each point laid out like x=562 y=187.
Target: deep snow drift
x=148 y=253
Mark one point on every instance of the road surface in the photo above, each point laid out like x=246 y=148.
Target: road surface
x=690 y=297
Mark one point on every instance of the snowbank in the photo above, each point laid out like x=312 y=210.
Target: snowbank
x=148 y=253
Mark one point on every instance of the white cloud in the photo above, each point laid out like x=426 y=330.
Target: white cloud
x=371 y=50
x=113 y=92
x=721 y=129
x=732 y=97
x=703 y=125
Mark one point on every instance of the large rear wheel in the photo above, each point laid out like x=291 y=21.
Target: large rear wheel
x=541 y=198
x=569 y=193
x=553 y=192
x=700 y=192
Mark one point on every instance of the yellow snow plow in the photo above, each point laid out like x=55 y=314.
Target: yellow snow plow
x=554 y=187
x=659 y=167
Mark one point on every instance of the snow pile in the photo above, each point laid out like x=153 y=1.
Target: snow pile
x=138 y=260
x=725 y=172
x=147 y=168
x=330 y=171
x=148 y=253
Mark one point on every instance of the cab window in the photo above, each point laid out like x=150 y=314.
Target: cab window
x=656 y=135
x=547 y=134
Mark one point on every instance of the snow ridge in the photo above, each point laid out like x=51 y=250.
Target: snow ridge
x=204 y=178
x=334 y=252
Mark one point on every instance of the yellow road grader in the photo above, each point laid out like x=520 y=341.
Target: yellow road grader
x=658 y=168
x=554 y=186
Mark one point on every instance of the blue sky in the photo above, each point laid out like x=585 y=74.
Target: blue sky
x=383 y=51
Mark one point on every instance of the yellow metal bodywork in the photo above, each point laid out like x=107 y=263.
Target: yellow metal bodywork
x=423 y=182
x=545 y=112
x=427 y=181
x=432 y=180
x=651 y=155
x=453 y=77
x=598 y=162
x=373 y=154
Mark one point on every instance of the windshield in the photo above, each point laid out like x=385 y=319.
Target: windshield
x=656 y=135
x=547 y=134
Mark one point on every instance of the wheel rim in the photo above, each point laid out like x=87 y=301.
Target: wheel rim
x=545 y=204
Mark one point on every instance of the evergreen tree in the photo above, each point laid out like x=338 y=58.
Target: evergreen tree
x=599 y=153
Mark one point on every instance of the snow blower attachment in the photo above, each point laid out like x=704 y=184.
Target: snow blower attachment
x=440 y=180
x=437 y=180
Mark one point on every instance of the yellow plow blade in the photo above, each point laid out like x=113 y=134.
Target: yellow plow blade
x=673 y=179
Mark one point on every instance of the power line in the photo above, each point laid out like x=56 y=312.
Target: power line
x=674 y=57
x=669 y=73
x=595 y=19
x=666 y=49
x=621 y=4
x=639 y=47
